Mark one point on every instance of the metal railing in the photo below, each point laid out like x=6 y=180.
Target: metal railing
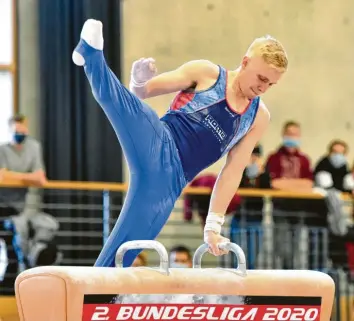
x=86 y=212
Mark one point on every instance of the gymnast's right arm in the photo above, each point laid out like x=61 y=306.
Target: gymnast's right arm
x=145 y=84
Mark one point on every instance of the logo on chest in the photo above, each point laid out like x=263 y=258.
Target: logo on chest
x=211 y=123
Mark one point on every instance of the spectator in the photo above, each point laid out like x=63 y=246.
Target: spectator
x=290 y=171
x=332 y=170
x=289 y=168
x=180 y=257
x=20 y=161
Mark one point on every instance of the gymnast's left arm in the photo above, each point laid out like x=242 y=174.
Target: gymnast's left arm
x=229 y=180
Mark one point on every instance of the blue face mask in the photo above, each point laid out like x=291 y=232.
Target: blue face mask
x=290 y=142
x=19 y=138
x=252 y=171
x=337 y=160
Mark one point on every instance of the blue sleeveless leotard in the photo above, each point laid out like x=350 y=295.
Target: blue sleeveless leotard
x=204 y=126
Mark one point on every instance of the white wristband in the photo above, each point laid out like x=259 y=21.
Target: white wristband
x=137 y=88
x=135 y=83
x=214 y=222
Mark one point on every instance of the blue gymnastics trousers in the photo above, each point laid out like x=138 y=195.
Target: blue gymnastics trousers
x=156 y=173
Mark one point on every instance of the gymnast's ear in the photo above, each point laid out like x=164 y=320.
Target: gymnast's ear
x=244 y=62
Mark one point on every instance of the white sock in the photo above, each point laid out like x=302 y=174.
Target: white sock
x=92 y=33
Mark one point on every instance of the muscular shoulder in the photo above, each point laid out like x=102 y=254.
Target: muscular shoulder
x=201 y=68
x=263 y=111
x=263 y=116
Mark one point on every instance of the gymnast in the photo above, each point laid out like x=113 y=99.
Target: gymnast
x=216 y=112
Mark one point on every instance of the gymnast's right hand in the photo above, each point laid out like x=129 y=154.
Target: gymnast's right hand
x=143 y=70
x=214 y=239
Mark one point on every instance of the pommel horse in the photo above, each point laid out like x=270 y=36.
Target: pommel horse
x=58 y=293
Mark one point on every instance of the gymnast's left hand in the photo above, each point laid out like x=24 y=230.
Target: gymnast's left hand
x=214 y=239
x=143 y=70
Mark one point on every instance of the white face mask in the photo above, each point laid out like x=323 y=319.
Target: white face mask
x=337 y=160
x=179 y=265
x=252 y=170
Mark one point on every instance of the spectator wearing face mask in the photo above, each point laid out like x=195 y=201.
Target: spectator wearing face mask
x=20 y=161
x=180 y=257
x=289 y=167
x=290 y=170
x=332 y=170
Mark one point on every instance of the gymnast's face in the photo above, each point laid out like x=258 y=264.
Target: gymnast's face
x=256 y=76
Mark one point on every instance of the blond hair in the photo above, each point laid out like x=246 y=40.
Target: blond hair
x=271 y=50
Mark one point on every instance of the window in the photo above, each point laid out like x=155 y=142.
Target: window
x=8 y=65
x=7 y=105
x=6 y=32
